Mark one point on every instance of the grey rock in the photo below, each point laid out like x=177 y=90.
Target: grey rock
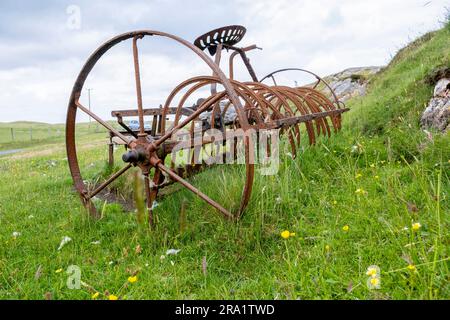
x=437 y=113
x=442 y=88
x=351 y=82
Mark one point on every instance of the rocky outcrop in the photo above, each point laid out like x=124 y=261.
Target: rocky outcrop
x=351 y=82
x=437 y=113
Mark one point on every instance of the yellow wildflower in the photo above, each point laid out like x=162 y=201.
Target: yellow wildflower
x=112 y=297
x=375 y=281
x=372 y=165
x=327 y=248
x=132 y=279
x=416 y=226
x=287 y=234
x=360 y=191
x=359 y=175
x=95 y=295
x=59 y=270
x=335 y=202
x=372 y=272
x=345 y=228
x=411 y=267
x=377 y=177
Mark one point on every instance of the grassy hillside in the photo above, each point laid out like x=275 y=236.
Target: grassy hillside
x=375 y=194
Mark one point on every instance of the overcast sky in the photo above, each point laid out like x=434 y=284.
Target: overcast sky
x=43 y=44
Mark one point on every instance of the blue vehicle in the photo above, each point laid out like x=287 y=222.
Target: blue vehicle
x=134 y=125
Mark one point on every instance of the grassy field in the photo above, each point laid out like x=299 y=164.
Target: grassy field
x=26 y=134
x=376 y=194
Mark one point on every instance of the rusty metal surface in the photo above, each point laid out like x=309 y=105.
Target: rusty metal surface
x=257 y=106
x=229 y=35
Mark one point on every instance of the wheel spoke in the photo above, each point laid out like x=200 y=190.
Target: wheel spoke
x=108 y=182
x=104 y=123
x=137 y=76
x=194 y=190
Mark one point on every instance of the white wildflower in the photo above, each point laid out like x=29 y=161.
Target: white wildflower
x=16 y=234
x=172 y=251
x=65 y=240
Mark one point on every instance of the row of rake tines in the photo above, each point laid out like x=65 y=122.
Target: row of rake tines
x=265 y=104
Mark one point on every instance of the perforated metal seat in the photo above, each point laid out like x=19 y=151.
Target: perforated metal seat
x=229 y=36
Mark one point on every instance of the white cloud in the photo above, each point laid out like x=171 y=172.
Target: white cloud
x=37 y=72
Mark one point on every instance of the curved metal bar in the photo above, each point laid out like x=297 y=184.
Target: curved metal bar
x=270 y=75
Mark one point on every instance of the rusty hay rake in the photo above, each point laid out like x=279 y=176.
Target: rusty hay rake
x=245 y=106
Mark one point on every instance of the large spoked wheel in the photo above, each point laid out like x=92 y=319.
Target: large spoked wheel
x=148 y=152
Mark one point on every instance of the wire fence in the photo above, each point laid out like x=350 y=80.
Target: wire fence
x=25 y=134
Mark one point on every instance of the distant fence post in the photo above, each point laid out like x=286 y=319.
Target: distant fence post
x=12 y=134
x=31 y=133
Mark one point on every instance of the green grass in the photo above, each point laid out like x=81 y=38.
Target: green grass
x=381 y=150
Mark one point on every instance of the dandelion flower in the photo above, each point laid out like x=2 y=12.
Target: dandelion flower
x=327 y=248
x=372 y=272
x=112 y=297
x=360 y=191
x=95 y=295
x=375 y=282
x=377 y=177
x=286 y=234
x=132 y=279
x=411 y=267
x=345 y=228
x=59 y=270
x=335 y=202
x=358 y=176
x=416 y=226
